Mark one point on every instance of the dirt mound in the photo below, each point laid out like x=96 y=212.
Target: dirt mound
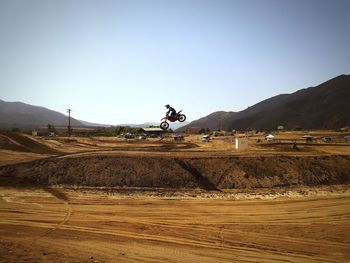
x=19 y=142
x=7 y=144
x=166 y=172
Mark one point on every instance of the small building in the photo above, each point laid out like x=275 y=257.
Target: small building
x=241 y=143
x=153 y=132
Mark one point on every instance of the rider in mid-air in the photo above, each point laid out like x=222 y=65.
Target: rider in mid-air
x=171 y=116
x=171 y=110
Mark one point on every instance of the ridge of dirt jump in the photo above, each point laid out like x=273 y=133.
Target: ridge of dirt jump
x=19 y=142
x=212 y=173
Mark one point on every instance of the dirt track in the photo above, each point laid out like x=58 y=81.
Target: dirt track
x=72 y=226
x=172 y=202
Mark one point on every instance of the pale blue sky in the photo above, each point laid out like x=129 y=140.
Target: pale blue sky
x=122 y=61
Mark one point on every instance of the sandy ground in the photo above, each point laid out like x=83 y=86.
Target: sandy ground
x=56 y=224
x=65 y=225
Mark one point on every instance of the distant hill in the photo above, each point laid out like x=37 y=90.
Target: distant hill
x=22 y=115
x=213 y=121
x=325 y=106
x=92 y=124
x=19 y=115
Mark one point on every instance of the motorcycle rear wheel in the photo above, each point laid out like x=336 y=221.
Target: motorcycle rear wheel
x=182 y=118
x=164 y=125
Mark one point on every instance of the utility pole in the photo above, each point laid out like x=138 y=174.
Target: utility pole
x=69 y=111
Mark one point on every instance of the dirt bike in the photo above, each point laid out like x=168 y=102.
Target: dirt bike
x=178 y=117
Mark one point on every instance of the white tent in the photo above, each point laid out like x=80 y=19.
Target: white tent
x=269 y=137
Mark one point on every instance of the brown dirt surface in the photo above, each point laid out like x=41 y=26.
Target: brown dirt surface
x=21 y=142
x=211 y=173
x=164 y=201
x=60 y=225
x=16 y=147
x=7 y=144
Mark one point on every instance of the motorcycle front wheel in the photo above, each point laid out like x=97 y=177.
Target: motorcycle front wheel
x=164 y=125
x=182 y=118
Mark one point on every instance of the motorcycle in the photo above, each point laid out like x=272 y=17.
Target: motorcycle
x=178 y=117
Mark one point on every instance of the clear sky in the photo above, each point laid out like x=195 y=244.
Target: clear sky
x=122 y=61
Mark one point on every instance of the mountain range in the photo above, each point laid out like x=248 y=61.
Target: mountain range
x=22 y=115
x=326 y=106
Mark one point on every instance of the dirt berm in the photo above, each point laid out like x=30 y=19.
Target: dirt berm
x=18 y=142
x=208 y=173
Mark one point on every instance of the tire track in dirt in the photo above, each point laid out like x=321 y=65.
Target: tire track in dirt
x=250 y=251
x=155 y=230
x=62 y=197
x=229 y=244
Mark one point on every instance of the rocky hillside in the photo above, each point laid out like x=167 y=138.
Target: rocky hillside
x=325 y=106
x=213 y=121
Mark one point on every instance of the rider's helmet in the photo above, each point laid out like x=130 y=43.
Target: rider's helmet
x=167 y=106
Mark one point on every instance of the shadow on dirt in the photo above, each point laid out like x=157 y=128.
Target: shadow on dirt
x=56 y=193
x=204 y=182
x=14 y=181
x=28 y=183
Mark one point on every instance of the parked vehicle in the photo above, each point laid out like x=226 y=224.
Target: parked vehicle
x=327 y=139
x=129 y=136
x=206 y=138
